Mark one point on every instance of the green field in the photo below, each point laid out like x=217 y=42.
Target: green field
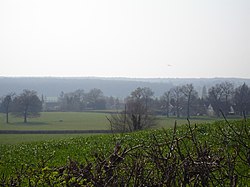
x=71 y=121
x=80 y=121
x=27 y=138
x=221 y=147
x=52 y=121
x=66 y=121
x=59 y=121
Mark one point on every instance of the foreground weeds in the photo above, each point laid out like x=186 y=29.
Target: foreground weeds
x=201 y=155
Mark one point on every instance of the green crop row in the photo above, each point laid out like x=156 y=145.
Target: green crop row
x=215 y=154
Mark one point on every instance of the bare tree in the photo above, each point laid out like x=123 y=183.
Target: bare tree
x=96 y=99
x=176 y=94
x=227 y=89
x=215 y=94
x=204 y=93
x=189 y=92
x=242 y=99
x=220 y=96
x=165 y=100
x=137 y=114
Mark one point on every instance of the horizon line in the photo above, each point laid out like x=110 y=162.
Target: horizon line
x=116 y=77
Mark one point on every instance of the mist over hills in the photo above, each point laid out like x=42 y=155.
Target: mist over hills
x=117 y=87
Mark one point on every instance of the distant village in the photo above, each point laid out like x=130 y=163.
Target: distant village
x=180 y=101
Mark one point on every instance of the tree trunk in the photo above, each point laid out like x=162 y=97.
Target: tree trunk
x=25 y=117
x=7 y=117
x=188 y=107
x=168 y=102
x=177 y=109
x=178 y=113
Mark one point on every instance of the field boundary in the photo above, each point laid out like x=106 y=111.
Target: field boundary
x=56 y=131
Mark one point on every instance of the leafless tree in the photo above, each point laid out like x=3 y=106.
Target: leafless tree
x=189 y=92
x=220 y=96
x=215 y=98
x=176 y=95
x=204 y=93
x=165 y=100
x=96 y=99
x=228 y=90
x=137 y=114
x=242 y=99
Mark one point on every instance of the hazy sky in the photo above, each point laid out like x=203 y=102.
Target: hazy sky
x=129 y=38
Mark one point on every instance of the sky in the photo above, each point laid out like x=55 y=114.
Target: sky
x=131 y=38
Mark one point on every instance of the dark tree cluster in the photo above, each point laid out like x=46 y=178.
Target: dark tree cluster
x=180 y=101
x=80 y=100
x=185 y=101
x=26 y=105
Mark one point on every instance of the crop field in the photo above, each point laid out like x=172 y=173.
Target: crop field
x=27 y=138
x=215 y=154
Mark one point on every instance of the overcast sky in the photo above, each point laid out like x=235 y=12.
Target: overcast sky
x=129 y=38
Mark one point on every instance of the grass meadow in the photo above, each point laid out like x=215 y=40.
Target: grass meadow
x=59 y=121
x=52 y=121
x=71 y=121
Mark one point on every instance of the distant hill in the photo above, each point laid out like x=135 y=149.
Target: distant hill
x=117 y=87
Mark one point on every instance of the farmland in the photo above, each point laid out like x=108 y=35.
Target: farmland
x=59 y=121
x=222 y=146
x=52 y=121
x=69 y=121
x=105 y=159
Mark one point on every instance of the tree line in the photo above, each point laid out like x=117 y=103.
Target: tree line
x=80 y=100
x=26 y=105
x=223 y=97
x=140 y=106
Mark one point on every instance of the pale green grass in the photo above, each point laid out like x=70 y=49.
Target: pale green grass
x=52 y=121
x=59 y=121
x=71 y=121
x=164 y=122
x=81 y=121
